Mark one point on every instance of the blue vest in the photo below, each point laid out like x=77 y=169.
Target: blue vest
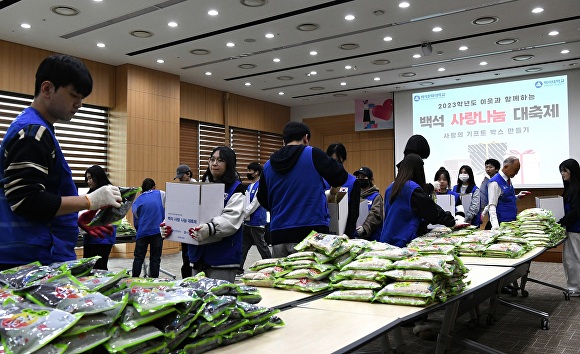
x=376 y=235
x=22 y=240
x=224 y=252
x=148 y=213
x=476 y=221
x=258 y=217
x=297 y=198
x=506 y=208
x=576 y=226
x=348 y=185
x=401 y=222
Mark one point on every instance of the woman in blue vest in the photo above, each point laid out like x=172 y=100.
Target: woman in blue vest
x=442 y=176
x=352 y=187
x=570 y=171
x=371 y=227
x=408 y=208
x=148 y=212
x=466 y=185
x=219 y=253
x=99 y=240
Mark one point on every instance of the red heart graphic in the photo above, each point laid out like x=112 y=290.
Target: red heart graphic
x=385 y=111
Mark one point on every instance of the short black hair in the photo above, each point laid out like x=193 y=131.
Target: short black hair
x=255 y=166
x=148 y=184
x=338 y=149
x=63 y=70
x=294 y=131
x=443 y=171
x=493 y=162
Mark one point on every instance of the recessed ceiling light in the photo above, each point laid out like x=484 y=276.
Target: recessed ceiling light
x=565 y=51
x=317 y=88
x=506 y=41
x=199 y=51
x=533 y=70
x=160 y=61
x=404 y=4
x=483 y=63
x=25 y=25
x=408 y=74
x=381 y=62
x=141 y=34
x=308 y=27
x=97 y=0
x=281 y=93
x=248 y=84
x=463 y=47
x=522 y=57
x=487 y=20
x=349 y=17
x=387 y=39
x=313 y=52
x=343 y=83
x=101 y=45
x=213 y=12
x=247 y=66
x=285 y=78
x=377 y=79
x=437 y=29
x=269 y=35
x=230 y=44
x=416 y=56
x=349 y=46
x=312 y=73
x=276 y=60
x=348 y=67
x=208 y=73
x=554 y=33
x=537 y=10
x=249 y=40
x=172 y=24
x=426 y=83
x=441 y=69
x=254 y=3
x=64 y=10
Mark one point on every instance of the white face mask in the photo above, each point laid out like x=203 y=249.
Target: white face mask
x=463 y=177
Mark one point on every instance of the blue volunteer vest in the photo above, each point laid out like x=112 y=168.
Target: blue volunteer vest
x=297 y=198
x=401 y=223
x=376 y=235
x=21 y=240
x=258 y=217
x=506 y=208
x=149 y=212
x=224 y=252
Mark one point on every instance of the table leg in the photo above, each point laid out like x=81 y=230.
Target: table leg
x=444 y=337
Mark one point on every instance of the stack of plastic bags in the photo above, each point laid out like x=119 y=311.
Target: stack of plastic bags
x=540 y=228
x=68 y=307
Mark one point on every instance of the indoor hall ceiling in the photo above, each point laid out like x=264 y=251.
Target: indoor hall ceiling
x=372 y=53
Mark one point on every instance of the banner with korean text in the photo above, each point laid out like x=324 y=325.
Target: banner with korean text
x=526 y=118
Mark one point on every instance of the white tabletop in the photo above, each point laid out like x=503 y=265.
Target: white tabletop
x=313 y=331
x=504 y=262
x=280 y=298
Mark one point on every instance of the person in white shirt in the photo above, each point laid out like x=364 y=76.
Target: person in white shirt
x=501 y=194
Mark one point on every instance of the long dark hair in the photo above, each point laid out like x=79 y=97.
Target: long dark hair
x=443 y=171
x=571 y=187
x=229 y=157
x=470 y=182
x=98 y=175
x=411 y=169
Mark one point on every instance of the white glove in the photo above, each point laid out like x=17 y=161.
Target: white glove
x=484 y=211
x=199 y=233
x=522 y=194
x=459 y=220
x=495 y=227
x=103 y=197
x=165 y=230
x=360 y=230
x=436 y=185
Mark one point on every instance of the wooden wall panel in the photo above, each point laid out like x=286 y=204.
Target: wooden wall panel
x=201 y=103
x=19 y=64
x=249 y=113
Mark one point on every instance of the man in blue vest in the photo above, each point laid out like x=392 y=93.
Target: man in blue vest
x=255 y=221
x=38 y=197
x=501 y=195
x=292 y=189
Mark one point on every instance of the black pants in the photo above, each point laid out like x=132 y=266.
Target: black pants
x=155 y=244
x=97 y=249
x=185 y=267
x=254 y=235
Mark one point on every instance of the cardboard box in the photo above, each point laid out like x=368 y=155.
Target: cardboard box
x=554 y=203
x=446 y=202
x=191 y=204
x=338 y=211
x=363 y=212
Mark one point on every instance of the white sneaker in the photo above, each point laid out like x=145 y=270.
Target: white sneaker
x=574 y=293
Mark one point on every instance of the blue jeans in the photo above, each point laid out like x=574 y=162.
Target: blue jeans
x=156 y=242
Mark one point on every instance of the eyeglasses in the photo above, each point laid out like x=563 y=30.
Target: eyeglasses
x=213 y=160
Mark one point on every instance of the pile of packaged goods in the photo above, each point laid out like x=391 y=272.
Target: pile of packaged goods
x=125 y=228
x=69 y=307
x=363 y=271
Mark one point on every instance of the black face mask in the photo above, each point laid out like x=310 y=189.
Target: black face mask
x=250 y=175
x=364 y=183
